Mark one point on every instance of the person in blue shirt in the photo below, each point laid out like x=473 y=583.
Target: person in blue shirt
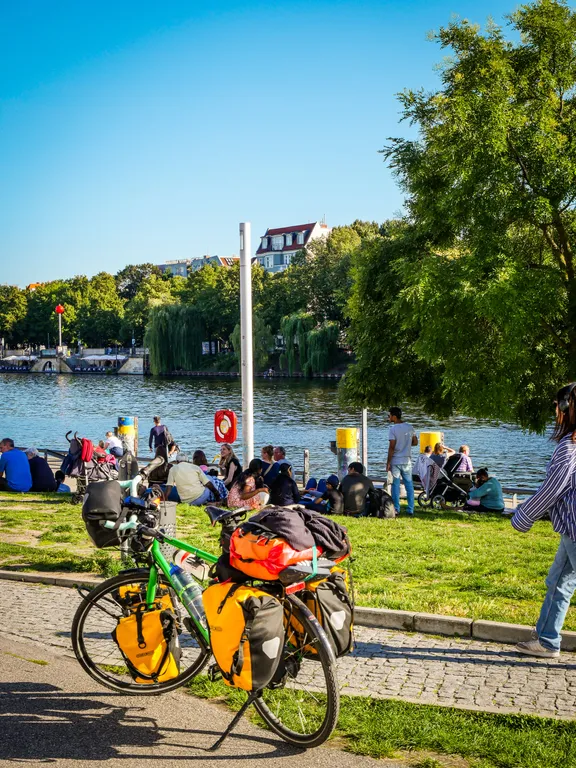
x=15 y=467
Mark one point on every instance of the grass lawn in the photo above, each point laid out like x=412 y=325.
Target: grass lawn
x=439 y=562
x=425 y=736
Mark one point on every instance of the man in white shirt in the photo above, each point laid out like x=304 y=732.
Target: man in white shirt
x=192 y=485
x=401 y=439
x=114 y=445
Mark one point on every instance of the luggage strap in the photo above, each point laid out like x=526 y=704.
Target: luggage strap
x=314 y=564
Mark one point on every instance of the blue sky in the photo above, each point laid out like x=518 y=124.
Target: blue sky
x=145 y=131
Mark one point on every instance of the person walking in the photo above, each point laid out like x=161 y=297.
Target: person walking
x=159 y=434
x=401 y=437
x=557 y=496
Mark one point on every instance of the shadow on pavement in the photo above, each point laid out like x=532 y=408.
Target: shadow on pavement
x=44 y=724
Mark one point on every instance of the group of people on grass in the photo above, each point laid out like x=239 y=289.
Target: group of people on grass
x=25 y=471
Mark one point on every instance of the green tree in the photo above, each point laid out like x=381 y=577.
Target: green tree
x=130 y=279
x=262 y=344
x=488 y=299
x=13 y=307
x=174 y=337
x=383 y=331
x=215 y=292
x=153 y=291
x=101 y=311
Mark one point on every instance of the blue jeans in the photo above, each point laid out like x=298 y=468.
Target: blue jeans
x=561 y=583
x=404 y=472
x=204 y=498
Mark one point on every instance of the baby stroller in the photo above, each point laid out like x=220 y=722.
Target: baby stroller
x=444 y=487
x=81 y=463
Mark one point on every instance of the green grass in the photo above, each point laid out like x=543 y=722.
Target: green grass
x=439 y=562
x=384 y=728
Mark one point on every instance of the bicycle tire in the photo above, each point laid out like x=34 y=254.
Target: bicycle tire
x=301 y=718
x=98 y=653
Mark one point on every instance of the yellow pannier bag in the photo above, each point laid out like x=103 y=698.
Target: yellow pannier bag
x=148 y=641
x=328 y=598
x=246 y=633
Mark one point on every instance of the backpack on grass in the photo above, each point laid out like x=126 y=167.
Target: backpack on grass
x=246 y=633
x=379 y=504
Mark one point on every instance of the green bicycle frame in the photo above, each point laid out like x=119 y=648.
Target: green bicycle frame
x=159 y=561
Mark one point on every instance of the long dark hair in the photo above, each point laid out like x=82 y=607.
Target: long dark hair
x=566 y=418
x=254 y=469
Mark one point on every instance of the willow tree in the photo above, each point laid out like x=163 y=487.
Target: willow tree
x=174 y=337
x=295 y=329
x=262 y=342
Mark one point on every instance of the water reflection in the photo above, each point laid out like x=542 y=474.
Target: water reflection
x=40 y=409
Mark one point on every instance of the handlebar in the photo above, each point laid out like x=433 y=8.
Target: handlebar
x=132 y=484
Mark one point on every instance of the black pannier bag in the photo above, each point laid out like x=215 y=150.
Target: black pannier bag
x=103 y=501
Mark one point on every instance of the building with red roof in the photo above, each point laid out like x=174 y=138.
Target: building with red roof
x=278 y=246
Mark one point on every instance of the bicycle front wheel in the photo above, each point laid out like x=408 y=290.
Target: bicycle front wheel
x=97 y=617
x=303 y=707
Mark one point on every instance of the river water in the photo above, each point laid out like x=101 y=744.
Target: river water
x=39 y=409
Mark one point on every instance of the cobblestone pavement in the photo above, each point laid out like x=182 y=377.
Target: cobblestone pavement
x=388 y=664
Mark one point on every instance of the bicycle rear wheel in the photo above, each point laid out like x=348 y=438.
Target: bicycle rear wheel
x=303 y=708
x=97 y=617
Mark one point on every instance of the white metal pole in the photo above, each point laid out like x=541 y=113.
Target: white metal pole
x=59 y=330
x=365 y=439
x=246 y=347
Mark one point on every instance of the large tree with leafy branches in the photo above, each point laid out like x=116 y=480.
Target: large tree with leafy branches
x=488 y=295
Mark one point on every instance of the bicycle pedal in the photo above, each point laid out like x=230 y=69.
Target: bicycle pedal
x=214 y=673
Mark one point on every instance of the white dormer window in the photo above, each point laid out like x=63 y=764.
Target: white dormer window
x=300 y=238
x=288 y=239
x=264 y=242
x=277 y=242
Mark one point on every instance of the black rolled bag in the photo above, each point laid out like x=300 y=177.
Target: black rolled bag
x=102 y=502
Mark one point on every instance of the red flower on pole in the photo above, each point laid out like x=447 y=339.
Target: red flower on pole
x=59 y=309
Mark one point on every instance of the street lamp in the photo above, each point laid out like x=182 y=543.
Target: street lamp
x=59 y=309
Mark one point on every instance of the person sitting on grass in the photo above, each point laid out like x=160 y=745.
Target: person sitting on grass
x=230 y=467
x=284 y=491
x=354 y=488
x=61 y=486
x=190 y=483
x=43 y=480
x=245 y=491
x=487 y=496
x=15 y=468
x=331 y=502
x=201 y=461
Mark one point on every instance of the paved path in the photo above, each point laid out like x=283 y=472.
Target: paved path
x=389 y=664
x=51 y=713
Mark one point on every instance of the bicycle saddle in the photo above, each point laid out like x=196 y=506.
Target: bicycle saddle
x=222 y=515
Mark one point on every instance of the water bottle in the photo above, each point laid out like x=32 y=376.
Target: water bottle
x=190 y=563
x=189 y=593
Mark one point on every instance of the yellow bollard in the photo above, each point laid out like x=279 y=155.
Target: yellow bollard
x=346 y=448
x=430 y=438
x=128 y=433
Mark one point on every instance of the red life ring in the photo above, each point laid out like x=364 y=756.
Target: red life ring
x=225 y=426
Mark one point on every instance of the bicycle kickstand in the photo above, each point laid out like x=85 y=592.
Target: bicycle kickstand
x=235 y=720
